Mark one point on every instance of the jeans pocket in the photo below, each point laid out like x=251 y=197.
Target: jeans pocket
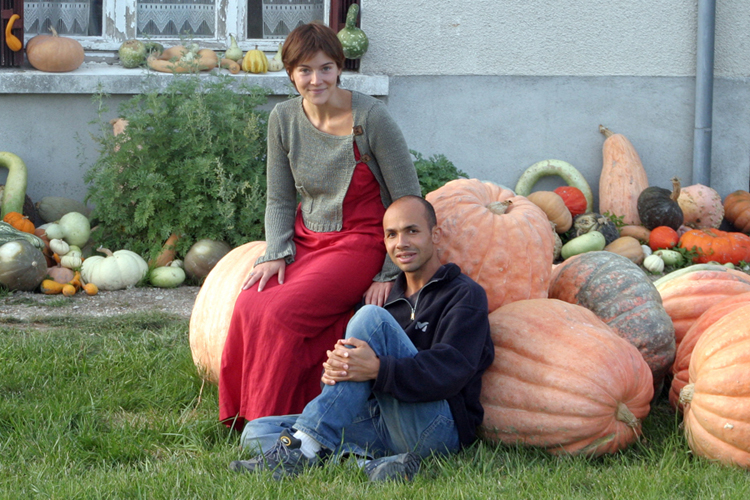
x=441 y=436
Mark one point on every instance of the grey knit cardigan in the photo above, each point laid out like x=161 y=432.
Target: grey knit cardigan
x=319 y=166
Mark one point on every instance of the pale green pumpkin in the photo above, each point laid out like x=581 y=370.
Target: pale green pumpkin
x=116 y=271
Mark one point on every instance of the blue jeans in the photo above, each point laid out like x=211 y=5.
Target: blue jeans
x=346 y=419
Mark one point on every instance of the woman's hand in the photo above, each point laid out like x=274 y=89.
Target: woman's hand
x=264 y=272
x=378 y=292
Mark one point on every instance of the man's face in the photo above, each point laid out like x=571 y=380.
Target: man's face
x=408 y=239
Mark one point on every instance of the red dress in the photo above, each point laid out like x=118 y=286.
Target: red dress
x=277 y=340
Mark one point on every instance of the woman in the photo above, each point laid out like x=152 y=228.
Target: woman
x=345 y=157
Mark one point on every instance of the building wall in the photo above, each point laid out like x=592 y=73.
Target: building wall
x=550 y=37
x=496 y=86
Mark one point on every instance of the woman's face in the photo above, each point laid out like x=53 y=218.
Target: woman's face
x=316 y=78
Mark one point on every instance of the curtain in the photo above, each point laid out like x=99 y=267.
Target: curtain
x=172 y=18
x=82 y=17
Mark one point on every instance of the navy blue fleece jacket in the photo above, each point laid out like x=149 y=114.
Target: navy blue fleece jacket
x=450 y=328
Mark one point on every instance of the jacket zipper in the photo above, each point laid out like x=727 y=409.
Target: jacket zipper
x=419 y=293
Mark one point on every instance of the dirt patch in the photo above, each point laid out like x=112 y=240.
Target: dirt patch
x=21 y=306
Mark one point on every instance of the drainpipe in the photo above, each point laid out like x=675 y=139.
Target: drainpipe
x=704 y=89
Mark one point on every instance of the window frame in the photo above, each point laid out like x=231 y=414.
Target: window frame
x=119 y=24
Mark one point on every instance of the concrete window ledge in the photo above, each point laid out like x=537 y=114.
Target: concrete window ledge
x=114 y=79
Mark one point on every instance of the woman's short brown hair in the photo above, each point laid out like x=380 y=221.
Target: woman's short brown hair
x=307 y=40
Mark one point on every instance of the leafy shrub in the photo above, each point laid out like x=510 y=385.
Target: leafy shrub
x=191 y=161
x=434 y=172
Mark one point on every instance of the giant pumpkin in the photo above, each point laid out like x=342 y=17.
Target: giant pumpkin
x=502 y=241
x=623 y=177
x=682 y=359
x=717 y=420
x=562 y=380
x=212 y=311
x=621 y=294
x=688 y=292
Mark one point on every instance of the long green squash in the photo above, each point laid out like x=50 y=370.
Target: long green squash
x=14 y=193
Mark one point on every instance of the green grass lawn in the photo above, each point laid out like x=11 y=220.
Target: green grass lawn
x=114 y=408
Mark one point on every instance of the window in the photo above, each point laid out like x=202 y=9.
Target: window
x=105 y=24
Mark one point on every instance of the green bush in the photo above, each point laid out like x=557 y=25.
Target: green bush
x=192 y=162
x=434 y=172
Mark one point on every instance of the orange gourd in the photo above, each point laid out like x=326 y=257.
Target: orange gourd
x=562 y=380
x=716 y=416
x=623 y=178
x=574 y=199
x=662 y=237
x=714 y=245
x=54 y=53
x=554 y=207
x=682 y=360
x=737 y=210
x=20 y=222
x=212 y=311
x=687 y=293
x=502 y=241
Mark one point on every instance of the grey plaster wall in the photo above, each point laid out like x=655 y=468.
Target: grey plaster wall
x=550 y=37
x=494 y=127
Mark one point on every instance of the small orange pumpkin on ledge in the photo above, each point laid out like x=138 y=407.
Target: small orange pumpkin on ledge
x=20 y=222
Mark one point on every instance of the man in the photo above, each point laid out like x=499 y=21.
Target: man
x=406 y=381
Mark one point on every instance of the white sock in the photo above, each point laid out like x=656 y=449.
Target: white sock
x=309 y=446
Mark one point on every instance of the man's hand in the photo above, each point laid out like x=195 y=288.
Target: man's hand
x=350 y=360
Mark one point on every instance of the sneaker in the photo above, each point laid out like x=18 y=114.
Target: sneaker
x=285 y=459
x=395 y=467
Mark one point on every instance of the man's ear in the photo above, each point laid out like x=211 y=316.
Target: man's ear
x=437 y=233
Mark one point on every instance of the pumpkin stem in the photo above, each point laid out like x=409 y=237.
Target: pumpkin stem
x=625 y=415
x=607 y=132
x=686 y=394
x=497 y=207
x=105 y=251
x=675 y=188
x=53 y=30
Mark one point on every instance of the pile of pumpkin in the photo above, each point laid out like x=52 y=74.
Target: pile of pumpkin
x=584 y=347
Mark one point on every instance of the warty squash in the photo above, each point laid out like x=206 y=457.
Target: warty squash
x=701 y=207
x=623 y=177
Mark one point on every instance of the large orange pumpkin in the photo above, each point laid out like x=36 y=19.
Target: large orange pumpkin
x=687 y=293
x=562 y=380
x=623 y=178
x=717 y=420
x=502 y=241
x=682 y=359
x=714 y=245
x=212 y=311
x=621 y=294
x=737 y=210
